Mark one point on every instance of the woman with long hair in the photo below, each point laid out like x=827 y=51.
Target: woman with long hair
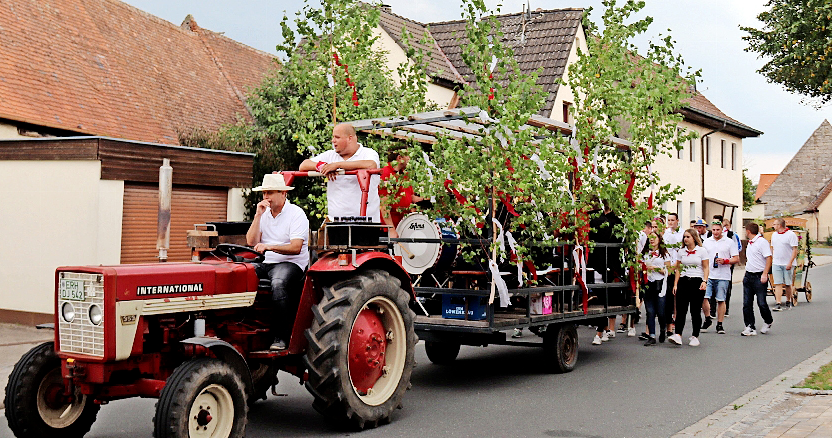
x=691 y=272
x=657 y=264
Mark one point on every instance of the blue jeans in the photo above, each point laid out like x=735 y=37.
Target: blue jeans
x=655 y=306
x=287 y=281
x=754 y=289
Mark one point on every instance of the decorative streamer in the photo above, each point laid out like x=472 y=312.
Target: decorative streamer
x=503 y=291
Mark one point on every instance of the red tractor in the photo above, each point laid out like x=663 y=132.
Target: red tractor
x=196 y=336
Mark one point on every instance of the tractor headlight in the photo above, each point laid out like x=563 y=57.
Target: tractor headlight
x=68 y=312
x=96 y=315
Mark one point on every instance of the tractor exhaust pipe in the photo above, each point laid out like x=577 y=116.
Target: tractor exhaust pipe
x=163 y=223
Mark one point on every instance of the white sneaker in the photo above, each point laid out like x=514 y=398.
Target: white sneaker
x=611 y=334
x=765 y=328
x=631 y=332
x=597 y=340
x=693 y=341
x=748 y=331
x=675 y=339
x=605 y=337
x=517 y=333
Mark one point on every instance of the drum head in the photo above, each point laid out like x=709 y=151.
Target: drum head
x=425 y=255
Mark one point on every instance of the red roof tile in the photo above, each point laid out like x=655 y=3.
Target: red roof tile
x=106 y=68
x=764 y=182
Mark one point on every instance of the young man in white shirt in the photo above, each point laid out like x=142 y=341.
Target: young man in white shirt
x=723 y=253
x=280 y=230
x=343 y=192
x=672 y=237
x=758 y=263
x=784 y=252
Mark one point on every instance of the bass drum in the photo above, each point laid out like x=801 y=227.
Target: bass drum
x=419 y=257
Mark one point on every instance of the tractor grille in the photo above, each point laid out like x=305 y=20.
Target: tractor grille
x=81 y=335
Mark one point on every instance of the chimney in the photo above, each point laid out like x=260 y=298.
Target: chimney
x=385 y=8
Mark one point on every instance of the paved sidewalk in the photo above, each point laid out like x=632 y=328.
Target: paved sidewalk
x=773 y=410
x=15 y=341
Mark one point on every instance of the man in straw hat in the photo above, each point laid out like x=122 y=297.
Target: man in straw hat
x=280 y=230
x=343 y=192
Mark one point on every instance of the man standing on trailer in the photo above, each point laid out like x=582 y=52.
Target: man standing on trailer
x=343 y=192
x=784 y=252
x=280 y=230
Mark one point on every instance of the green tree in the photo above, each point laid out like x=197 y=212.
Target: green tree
x=796 y=38
x=748 y=192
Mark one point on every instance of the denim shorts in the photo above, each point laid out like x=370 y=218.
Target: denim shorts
x=718 y=286
x=780 y=275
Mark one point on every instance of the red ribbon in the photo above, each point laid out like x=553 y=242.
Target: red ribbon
x=690 y=252
x=350 y=83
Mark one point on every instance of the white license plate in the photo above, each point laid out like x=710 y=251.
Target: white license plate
x=72 y=290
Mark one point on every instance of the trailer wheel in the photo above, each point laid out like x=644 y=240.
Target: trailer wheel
x=808 y=292
x=442 y=353
x=202 y=398
x=361 y=349
x=561 y=347
x=35 y=405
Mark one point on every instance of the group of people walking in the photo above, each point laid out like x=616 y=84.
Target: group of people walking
x=690 y=271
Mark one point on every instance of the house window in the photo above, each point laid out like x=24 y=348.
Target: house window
x=681 y=150
x=679 y=210
x=722 y=154
x=708 y=150
x=565 y=112
x=692 y=211
x=692 y=153
x=734 y=154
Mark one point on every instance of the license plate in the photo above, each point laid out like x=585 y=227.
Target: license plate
x=72 y=290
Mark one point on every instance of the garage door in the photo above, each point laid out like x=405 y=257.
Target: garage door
x=189 y=206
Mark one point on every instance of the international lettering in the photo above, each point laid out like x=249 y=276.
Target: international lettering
x=169 y=289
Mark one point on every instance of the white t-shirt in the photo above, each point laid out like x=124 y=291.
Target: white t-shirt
x=344 y=195
x=640 y=243
x=725 y=248
x=691 y=265
x=782 y=247
x=290 y=223
x=672 y=240
x=655 y=260
x=757 y=250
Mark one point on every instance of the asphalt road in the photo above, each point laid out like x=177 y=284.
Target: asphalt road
x=618 y=389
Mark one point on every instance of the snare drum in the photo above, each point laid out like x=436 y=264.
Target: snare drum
x=419 y=257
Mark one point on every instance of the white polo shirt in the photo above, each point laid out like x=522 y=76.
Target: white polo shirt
x=344 y=194
x=672 y=240
x=757 y=250
x=725 y=248
x=782 y=247
x=290 y=223
x=691 y=265
x=655 y=260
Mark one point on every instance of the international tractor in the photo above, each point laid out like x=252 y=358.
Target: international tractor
x=196 y=337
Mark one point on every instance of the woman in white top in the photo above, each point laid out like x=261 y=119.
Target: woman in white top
x=657 y=264
x=691 y=272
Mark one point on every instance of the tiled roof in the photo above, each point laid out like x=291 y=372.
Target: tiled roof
x=106 y=68
x=546 y=43
x=825 y=192
x=438 y=65
x=699 y=106
x=764 y=182
x=804 y=179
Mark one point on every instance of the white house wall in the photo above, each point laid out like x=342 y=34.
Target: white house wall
x=396 y=56
x=565 y=92
x=9 y=131
x=236 y=208
x=55 y=213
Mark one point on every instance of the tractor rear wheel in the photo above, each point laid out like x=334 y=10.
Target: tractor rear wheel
x=441 y=353
x=561 y=347
x=202 y=398
x=35 y=401
x=361 y=349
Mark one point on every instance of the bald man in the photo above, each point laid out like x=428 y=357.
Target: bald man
x=343 y=192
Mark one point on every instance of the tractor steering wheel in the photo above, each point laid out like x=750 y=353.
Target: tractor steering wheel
x=231 y=251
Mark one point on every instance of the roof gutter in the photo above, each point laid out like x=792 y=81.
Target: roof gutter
x=703 y=169
x=726 y=122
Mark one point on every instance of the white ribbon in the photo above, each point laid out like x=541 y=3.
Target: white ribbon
x=575 y=146
x=596 y=159
x=581 y=265
x=500 y=241
x=503 y=291
x=430 y=165
x=484 y=116
x=542 y=168
x=512 y=242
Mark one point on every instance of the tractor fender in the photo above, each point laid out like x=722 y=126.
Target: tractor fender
x=329 y=263
x=227 y=353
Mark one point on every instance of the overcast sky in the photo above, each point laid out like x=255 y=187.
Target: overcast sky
x=706 y=32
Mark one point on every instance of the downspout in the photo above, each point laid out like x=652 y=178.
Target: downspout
x=703 y=170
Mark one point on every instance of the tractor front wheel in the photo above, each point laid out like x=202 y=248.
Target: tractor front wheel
x=202 y=398
x=361 y=349
x=36 y=405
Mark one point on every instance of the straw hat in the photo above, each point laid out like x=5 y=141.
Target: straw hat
x=273 y=181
